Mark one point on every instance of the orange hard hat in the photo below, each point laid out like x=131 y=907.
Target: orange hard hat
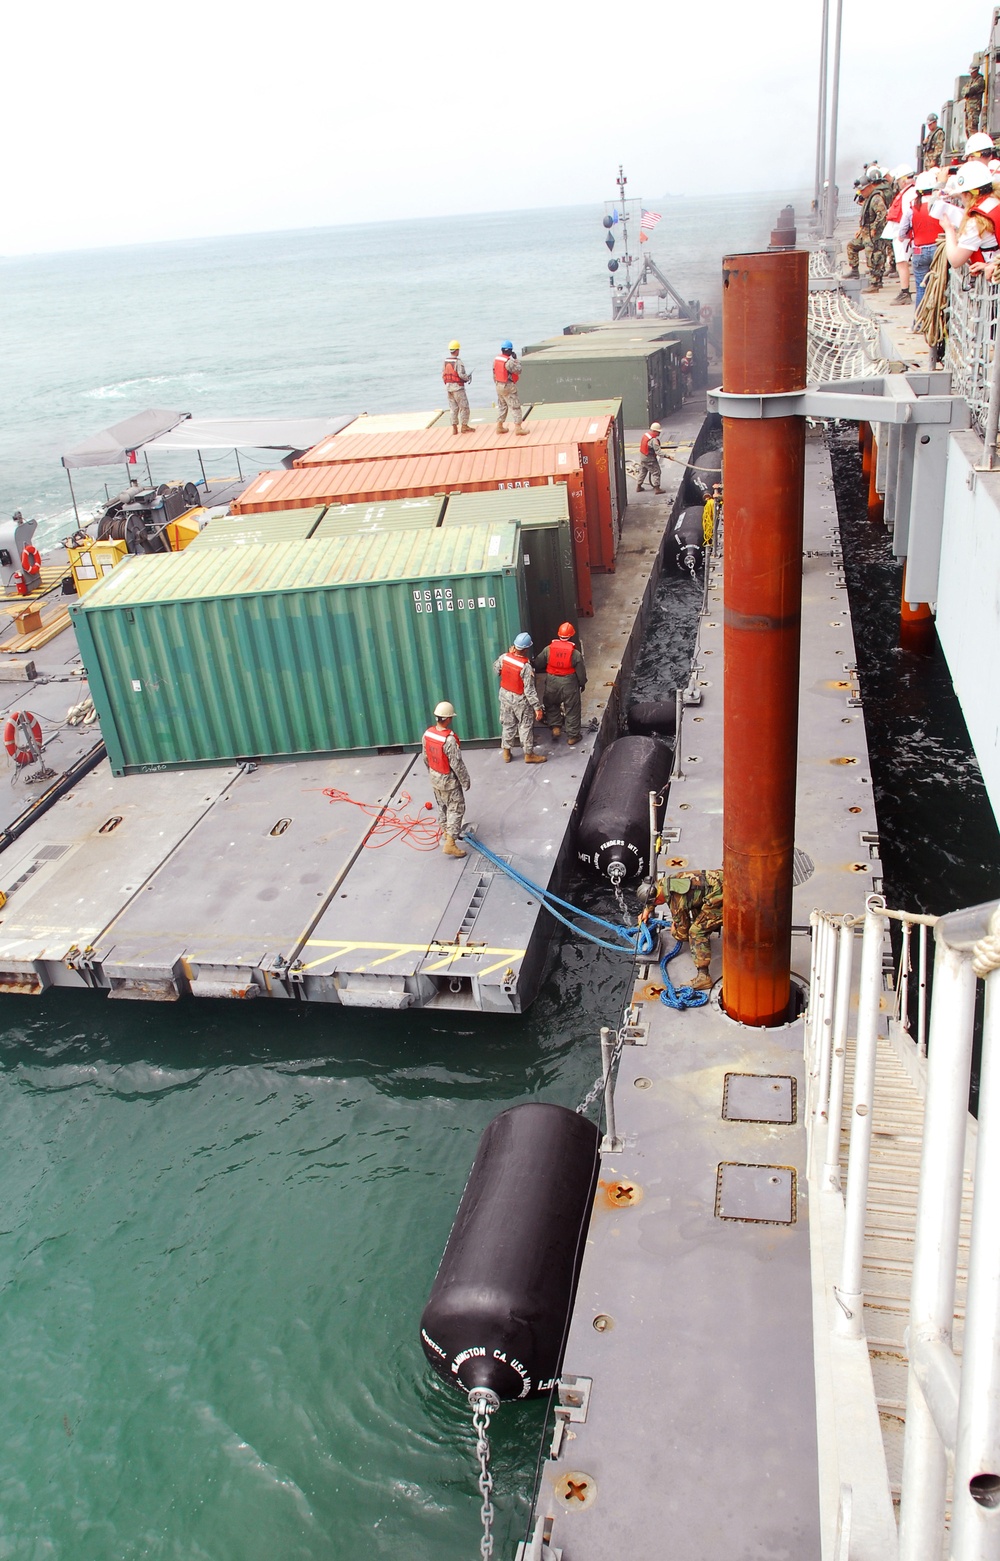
x=566 y=631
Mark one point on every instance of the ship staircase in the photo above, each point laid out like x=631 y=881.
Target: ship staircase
x=905 y=1188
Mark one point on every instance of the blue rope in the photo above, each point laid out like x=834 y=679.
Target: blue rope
x=634 y=941
x=679 y=996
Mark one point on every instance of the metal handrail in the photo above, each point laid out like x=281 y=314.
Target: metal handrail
x=953 y=1403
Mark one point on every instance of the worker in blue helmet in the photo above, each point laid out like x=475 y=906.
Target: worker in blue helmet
x=506 y=373
x=519 y=703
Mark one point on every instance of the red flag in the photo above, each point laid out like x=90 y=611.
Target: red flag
x=643 y=238
x=131 y=458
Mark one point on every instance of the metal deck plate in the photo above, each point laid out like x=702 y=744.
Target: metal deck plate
x=245 y=885
x=760 y=1194
x=88 y=866
x=758 y=1097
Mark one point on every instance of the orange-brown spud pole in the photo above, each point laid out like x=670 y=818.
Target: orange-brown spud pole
x=763 y=351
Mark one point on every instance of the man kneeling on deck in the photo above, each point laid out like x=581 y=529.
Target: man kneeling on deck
x=449 y=777
x=695 y=903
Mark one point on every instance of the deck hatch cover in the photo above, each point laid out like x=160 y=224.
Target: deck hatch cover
x=758 y=1097
x=755 y=1194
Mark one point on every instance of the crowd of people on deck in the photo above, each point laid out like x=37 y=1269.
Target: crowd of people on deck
x=921 y=224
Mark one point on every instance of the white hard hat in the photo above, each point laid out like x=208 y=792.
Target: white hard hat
x=951 y=187
x=926 y=181
x=444 y=710
x=904 y=171
x=873 y=171
x=973 y=176
x=980 y=142
x=654 y=428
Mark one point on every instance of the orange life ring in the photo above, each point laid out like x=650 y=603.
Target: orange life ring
x=31 y=559
x=706 y=312
x=19 y=754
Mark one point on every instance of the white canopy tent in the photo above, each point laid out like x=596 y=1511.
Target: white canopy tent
x=157 y=429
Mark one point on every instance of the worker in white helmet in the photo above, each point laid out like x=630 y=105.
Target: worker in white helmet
x=650 y=451
x=449 y=777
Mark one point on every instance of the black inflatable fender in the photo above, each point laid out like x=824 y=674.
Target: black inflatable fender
x=653 y=718
x=613 y=835
x=499 y=1306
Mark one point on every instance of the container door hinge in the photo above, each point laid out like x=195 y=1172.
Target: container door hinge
x=573 y=1395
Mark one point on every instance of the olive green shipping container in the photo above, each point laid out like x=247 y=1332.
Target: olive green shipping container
x=290 y=525
x=349 y=520
x=645 y=375
x=278 y=651
x=546 y=548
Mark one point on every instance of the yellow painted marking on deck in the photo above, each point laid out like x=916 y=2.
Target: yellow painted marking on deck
x=395 y=950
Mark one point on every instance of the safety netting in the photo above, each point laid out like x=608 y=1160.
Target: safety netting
x=844 y=343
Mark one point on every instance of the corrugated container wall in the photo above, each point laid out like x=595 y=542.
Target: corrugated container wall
x=546 y=548
x=274 y=651
x=594 y=437
x=346 y=520
x=550 y=411
x=520 y=465
x=293 y=525
x=644 y=375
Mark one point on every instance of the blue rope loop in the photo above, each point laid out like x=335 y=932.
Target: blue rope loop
x=635 y=941
x=679 y=997
x=638 y=942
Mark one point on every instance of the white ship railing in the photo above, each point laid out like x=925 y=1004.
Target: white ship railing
x=953 y=1402
x=972 y=318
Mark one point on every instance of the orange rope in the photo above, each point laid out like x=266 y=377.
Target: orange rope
x=416 y=830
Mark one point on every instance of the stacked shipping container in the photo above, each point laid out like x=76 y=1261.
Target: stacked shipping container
x=595 y=436
x=522 y=465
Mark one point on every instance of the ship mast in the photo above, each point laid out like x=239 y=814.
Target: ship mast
x=624 y=294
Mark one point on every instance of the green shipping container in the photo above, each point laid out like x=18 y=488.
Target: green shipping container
x=546 y=548
x=353 y=520
x=290 y=525
x=644 y=375
x=277 y=651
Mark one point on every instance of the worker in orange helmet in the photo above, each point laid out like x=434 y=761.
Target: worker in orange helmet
x=565 y=680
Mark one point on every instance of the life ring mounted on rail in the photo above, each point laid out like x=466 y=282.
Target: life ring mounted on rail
x=31 y=559
x=23 y=723
x=706 y=312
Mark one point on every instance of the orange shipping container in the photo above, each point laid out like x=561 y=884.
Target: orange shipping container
x=523 y=464
x=594 y=436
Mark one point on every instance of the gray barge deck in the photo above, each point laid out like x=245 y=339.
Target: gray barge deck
x=700 y=1437
x=254 y=882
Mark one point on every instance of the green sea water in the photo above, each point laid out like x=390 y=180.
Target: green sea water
x=220 y=1221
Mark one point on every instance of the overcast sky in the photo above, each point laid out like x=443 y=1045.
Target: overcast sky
x=124 y=123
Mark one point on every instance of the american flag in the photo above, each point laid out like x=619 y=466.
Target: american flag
x=650 y=219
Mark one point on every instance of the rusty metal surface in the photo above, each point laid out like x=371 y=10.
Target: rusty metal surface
x=764 y=352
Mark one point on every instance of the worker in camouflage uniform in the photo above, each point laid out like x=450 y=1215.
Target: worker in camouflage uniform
x=565 y=681
x=519 y=704
x=449 y=777
x=695 y=902
x=874 y=197
x=506 y=373
x=455 y=380
x=932 y=145
x=974 y=100
x=650 y=451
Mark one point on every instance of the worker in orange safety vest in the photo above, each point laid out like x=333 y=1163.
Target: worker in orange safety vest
x=565 y=679
x=448 y=775
x=519 y=703
x=506 y=373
